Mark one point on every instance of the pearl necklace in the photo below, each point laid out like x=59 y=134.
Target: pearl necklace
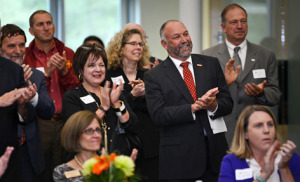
x=77 y=161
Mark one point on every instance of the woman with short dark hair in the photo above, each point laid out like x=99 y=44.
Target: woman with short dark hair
x=80 y=134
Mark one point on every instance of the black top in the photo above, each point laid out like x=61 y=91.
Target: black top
x=72 y=103
x=147 y=132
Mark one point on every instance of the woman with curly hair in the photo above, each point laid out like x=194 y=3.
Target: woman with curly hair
x=127 y=55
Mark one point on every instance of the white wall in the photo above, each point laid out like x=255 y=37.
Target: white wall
x=155 y=12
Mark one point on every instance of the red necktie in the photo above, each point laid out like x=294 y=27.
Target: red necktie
x=23 y=138
x=188 y=79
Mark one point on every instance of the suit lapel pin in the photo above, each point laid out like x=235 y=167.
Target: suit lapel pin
x=199 y=65
x=253 y=60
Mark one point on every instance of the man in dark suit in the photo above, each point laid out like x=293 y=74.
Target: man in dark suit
x=13 y=47
x=188 y=104
x=253 y=80
x=14 y=109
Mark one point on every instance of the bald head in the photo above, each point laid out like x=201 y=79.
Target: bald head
x=136 y=26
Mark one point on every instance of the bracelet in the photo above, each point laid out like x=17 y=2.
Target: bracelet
x=102 y=109
x=121 y=113
x=121 y=110
x=260 y=179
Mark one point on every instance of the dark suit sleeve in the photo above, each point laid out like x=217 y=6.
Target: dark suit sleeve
x=161 y=113
x=45 y=107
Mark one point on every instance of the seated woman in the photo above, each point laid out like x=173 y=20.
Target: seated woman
x=81 y=134
x=89 y=66
x=256 y=153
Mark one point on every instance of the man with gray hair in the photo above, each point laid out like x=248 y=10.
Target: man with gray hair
x=250 y=70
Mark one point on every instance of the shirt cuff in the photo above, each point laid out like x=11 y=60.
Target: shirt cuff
x=34 y=100
x=212 y=113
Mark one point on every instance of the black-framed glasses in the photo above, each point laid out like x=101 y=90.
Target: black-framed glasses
x=136 y=44
x=91 y=131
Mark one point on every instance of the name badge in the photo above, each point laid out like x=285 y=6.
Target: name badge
x=259 y=73
x=41 y=69
x=87 y=99
x=241 y=174
x=118 y=79
x=72 y=174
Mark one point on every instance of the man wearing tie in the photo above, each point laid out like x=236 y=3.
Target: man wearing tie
x=187 y=96
x=252 y=75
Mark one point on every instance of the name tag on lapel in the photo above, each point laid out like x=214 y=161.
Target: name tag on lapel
x=259 y=73
x=72 y=174
x=241 y=174
x=87 y=99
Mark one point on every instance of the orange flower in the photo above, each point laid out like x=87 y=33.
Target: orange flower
x=112 y=157
x=69 y=64
x=98 y=168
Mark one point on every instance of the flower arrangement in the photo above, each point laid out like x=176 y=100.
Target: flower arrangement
x=111 y=168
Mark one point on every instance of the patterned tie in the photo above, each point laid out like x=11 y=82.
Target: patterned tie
x=237 y=61
x=188 y=79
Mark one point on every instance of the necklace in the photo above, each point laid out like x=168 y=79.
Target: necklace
x=103 y=124
x=77 y=161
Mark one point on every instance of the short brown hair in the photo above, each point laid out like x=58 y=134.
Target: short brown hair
x=114 y=49
x=230 y=7
x=82 y=54
x=31 y=19
x=10 y=30
x=74 y=127
x=240 y=146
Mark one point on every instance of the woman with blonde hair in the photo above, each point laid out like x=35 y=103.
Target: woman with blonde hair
x=127 y=55
x=256 y=153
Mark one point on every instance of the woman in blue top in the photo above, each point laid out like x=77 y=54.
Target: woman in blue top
x=256 y=153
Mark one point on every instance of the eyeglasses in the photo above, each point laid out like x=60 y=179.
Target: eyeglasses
x=136 y=44
x=91 y=131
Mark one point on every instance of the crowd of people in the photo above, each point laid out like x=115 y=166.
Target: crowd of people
x=175 y=118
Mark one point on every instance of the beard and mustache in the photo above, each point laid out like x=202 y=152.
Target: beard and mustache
x=12 y=57
x=183 y=50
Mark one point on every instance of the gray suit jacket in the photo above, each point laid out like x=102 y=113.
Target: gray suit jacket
x=257 y=58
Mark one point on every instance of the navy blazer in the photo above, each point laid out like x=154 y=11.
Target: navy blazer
x=44 y=110
x=12 y=77
x=182 y=146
